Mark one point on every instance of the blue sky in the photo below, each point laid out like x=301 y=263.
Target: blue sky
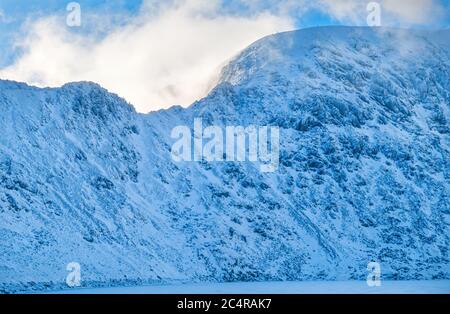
x=175 y=38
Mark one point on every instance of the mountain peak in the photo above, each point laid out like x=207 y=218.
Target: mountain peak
x=85 y=85
x=299 y=49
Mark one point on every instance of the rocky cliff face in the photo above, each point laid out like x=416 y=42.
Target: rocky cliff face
x=363 y=176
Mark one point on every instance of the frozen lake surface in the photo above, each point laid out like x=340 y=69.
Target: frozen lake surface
x=304 y=287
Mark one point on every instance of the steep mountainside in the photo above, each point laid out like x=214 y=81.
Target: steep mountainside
x=363 y=175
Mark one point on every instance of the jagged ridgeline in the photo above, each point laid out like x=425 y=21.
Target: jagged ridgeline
x=363 y=176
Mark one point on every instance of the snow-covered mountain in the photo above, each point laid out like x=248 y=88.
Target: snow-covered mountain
x=363 y=176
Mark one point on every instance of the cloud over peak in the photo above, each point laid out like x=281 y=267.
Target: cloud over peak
x=170 y=52
x=153 y=60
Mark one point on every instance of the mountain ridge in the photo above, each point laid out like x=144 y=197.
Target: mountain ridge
x=363 y=172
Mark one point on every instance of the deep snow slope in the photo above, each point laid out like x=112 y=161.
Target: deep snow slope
x=363 y=176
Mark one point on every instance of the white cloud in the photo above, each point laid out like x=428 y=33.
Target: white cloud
x=394 y=12
x=344 y=10
x=166 y=55
x=414 y=11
